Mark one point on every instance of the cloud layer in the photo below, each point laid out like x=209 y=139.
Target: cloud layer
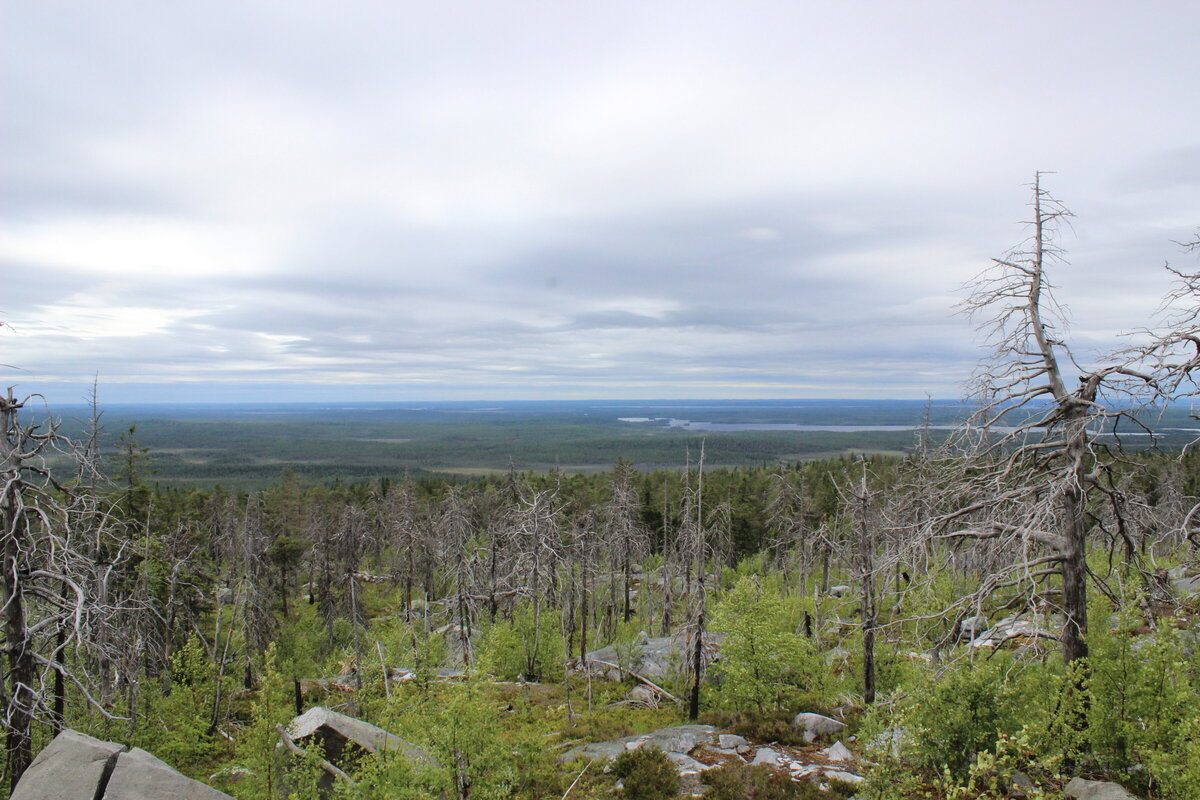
x=413 y=200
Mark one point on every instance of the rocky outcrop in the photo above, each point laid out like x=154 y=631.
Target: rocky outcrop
x=972 y=628
x=653 y=658
x=679 y=740
x=1080 y=789
x=815 y=725
x=337 y=732
x=1185 y=582
x=76 y=765
x=838 y=752
x=1013 y=629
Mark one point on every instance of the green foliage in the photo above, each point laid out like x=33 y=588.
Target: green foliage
x=256 y=742
x=303 y=644
x=524 y=647
x=646 y=774
x=762 y=665
x=459 y=726
x=967 y=710
x=989 y=776
x=1145 y=698
x=173 y=722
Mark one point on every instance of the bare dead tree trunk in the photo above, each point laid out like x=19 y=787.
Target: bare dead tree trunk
x=866 y=573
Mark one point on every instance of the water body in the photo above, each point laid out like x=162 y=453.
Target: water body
x=730 y=427
x=690 y=425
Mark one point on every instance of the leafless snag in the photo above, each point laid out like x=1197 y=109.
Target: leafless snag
x=1029 y=458
x=54 y=625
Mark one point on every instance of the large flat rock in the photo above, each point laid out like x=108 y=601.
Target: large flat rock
x=679 y=739
x=1080 y=789
x=140 y=776
x=320 y=720
x=76 y=766
x=69 y=768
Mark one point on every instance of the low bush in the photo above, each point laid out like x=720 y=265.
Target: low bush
x=646 y=774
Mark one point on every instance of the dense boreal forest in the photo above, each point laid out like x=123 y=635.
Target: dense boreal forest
x=1004 y=610
x=460 y=616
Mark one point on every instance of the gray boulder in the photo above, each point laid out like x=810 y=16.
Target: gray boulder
x=766 y=755
x=140 y=776
x=838 y=752
x=76 y=766
x=653 y=658
x=685 y=765
x=1186 y=585
x=681 y=738
x=644 y=695
x=71 y=766
x=890 y=742
x=731 y=741
x=1080 y=789
x=336 y=731
x=1019 y=785
x=600 y=751
x=1013 y=629
x=972 y=627
x=815 y=725
x=840 y=775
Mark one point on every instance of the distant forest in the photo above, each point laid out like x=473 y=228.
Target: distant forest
x=250 y=446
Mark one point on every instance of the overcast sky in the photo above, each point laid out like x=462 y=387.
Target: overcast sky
x=243 y=200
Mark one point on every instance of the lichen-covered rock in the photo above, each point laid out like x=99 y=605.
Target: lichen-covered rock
x=972 y=627
x=336 y=730
x=685 y=765
x=838 y=752
x=731 y=741
x=815 y=725
x=1010 y=629
x=1080 y=789
x=676 y=740
x=76 y=766
x=681 y=738
x=840 y=775
x=653 y=658
x=71 y=766
x=766 y=755
x=140 y=776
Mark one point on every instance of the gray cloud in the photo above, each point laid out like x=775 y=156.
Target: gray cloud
x=626 y=199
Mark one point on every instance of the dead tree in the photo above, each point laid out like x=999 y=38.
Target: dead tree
x=53 y=626
x=694 y=541
x=862 y=498
x=1171 y=355
x=787 y=519
x=455 y=530
x=626 y=537
x=1028 y=460
x=538 y=540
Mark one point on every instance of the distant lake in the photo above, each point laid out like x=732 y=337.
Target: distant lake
x=692 y=425
x=730 y=427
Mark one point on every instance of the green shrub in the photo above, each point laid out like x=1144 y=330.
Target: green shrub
x=763 y=665
x=523 y=648
x=647 y=774
x=965 y=712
